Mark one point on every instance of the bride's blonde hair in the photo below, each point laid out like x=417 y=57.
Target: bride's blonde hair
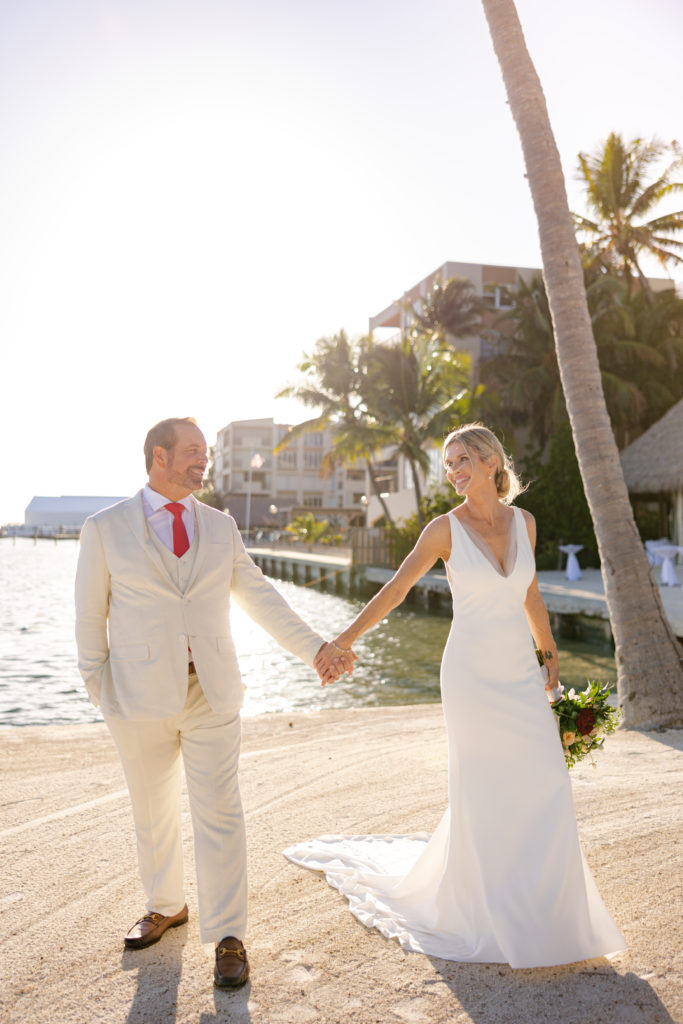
x=475 y=437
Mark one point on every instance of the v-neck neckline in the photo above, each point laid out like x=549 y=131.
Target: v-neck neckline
x=497 y=568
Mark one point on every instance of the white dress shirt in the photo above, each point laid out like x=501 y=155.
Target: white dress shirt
x=161 y=520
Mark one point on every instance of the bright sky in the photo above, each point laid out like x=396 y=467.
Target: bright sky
x=193 y=191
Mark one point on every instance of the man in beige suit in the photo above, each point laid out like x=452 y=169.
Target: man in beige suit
x=155 y=577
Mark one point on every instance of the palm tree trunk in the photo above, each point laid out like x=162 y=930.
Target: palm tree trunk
x=375 y=486
x=418 y=491
x=648 y=657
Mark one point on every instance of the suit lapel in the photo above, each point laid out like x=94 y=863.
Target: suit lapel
x=135 y=517
x=201 y=529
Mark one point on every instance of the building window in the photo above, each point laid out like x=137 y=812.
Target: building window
x=312 y=460
x=313 y=500
x=498 y=296
x=313 y=440
x=286 y=460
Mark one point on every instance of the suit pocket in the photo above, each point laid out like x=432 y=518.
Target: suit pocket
x=129 y=652
x=225 y=644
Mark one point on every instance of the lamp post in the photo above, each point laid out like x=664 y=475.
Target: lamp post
x=274 y=511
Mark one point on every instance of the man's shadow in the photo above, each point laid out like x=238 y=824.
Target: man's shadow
x=159 y=968
x=570 y=994
x=230 y=1006
x=158 y=975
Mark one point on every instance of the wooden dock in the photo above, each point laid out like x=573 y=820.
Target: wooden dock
x=577 y=606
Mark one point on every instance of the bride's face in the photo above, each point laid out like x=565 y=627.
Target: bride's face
x=459 y=467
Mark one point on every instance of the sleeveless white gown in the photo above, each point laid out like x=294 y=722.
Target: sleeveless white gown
x=503 y=878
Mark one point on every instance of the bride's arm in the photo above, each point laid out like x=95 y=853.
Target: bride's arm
x=434 y=543
x=537 y=617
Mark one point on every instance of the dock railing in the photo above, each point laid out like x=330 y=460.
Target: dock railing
x=372 y=546
x=364 y=546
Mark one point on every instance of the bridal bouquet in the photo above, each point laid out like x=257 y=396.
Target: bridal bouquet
x=584 y=719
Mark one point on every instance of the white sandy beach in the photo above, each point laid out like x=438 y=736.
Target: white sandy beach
x=70 y=888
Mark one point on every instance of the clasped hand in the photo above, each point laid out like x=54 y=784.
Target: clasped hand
x=331 y=662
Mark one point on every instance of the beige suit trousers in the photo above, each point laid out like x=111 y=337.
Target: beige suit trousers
x=150 y=753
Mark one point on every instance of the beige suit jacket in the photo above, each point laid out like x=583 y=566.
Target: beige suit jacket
x=134 y=625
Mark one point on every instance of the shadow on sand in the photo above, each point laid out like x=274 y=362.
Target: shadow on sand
x=159 y=968
x=158 y=975
x=571 y=994
x=230 y=1007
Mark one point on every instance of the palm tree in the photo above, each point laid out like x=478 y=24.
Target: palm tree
x=332 y=377
x=451 y=310
x=525 y=379
x=521 y=381
x=620 y=195
x=648 y=656
x=307 y=528
x=657 y=321
x=418 y=389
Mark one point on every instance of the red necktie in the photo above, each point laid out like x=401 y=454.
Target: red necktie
x=180 y=539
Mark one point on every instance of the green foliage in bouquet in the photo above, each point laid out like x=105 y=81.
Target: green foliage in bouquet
x=584 y=719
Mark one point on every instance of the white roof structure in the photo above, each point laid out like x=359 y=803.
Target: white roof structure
x=68 y=510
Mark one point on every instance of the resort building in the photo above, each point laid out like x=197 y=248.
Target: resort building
x=494 y=284
x=261 y=489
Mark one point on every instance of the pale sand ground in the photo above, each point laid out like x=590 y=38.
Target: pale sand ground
x=70 y=889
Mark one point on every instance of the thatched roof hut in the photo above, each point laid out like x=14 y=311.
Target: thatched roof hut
x=653 y=465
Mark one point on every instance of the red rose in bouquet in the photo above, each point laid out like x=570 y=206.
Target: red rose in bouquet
x=585 y=720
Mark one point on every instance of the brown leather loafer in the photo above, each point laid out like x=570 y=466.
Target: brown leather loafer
x=151 y=927
x=232 y=966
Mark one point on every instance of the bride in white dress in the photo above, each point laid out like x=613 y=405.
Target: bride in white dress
x=503 y=878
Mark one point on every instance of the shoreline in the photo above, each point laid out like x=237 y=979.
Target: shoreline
x=71 y=888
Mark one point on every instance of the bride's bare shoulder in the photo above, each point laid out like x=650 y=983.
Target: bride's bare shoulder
x=530 y=524
x=437 y=535
x=441 y=524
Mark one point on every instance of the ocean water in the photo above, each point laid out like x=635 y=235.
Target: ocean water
x=398 y=660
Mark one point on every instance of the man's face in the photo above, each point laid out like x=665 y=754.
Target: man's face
x=186 y=462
